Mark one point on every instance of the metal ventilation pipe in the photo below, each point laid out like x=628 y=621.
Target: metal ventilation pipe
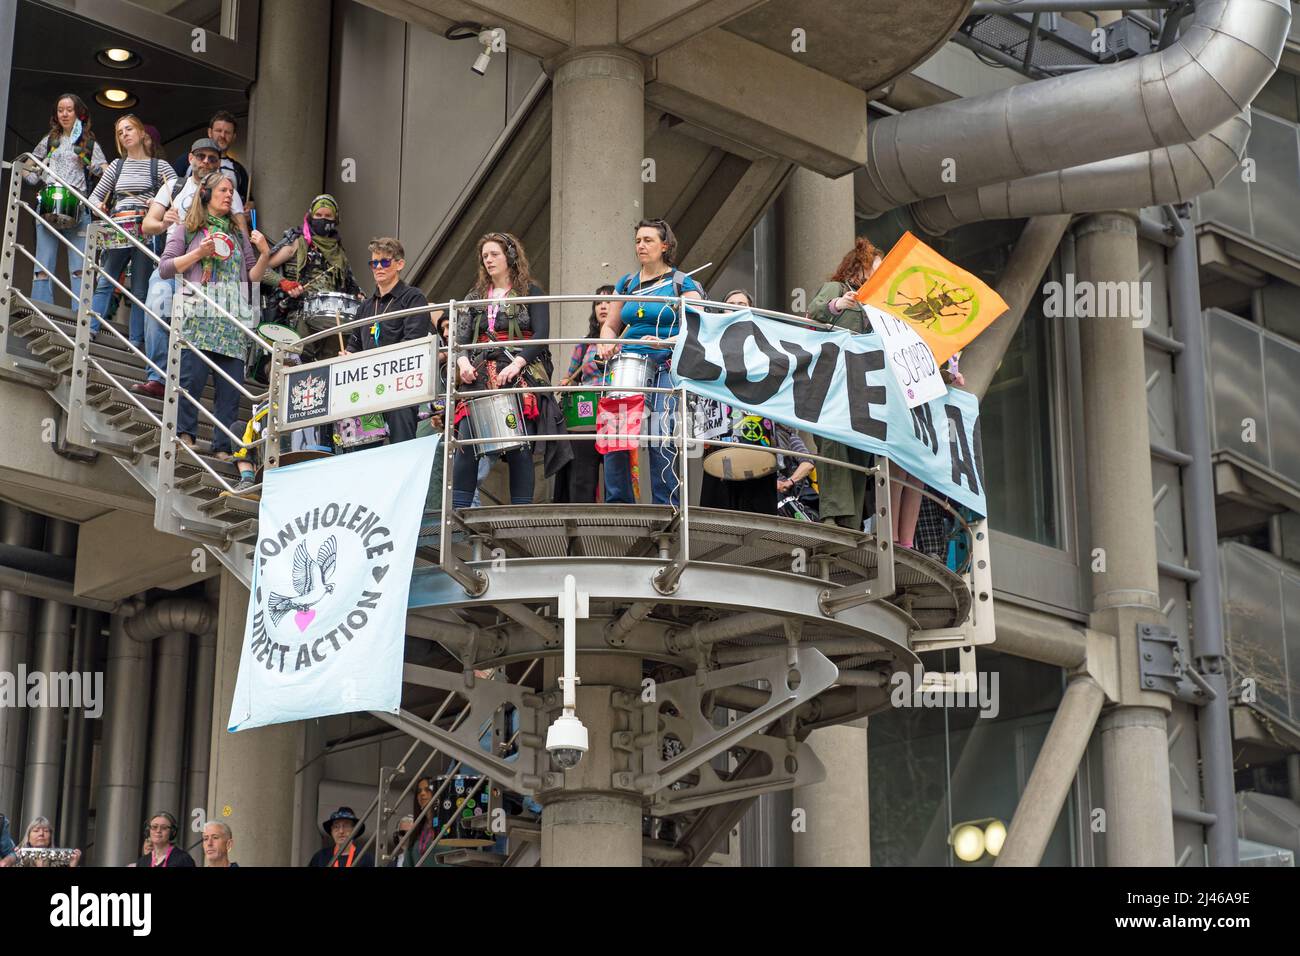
x=24 y=529
x=74 y=807
x=1219 y=62
x=120 y=810
x=167 y=729
x=1172 y=174
x=171 y=616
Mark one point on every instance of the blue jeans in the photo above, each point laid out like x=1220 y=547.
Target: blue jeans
x=225 y=403
x=47 y=254
x=663 y=449
x=155 y=335
x=112 y=262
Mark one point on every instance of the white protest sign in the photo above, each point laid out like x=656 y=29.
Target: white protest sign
x=908 y=358
x=375 y=380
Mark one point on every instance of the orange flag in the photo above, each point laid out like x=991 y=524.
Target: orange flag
x=945 y=304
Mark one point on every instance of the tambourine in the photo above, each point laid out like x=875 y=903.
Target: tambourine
x=224 y=246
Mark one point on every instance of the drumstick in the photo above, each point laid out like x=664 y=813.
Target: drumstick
x=337 y=316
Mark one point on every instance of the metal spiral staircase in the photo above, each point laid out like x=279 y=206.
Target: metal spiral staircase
x=784 y=626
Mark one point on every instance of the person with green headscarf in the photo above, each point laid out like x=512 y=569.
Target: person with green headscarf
x=307 y=260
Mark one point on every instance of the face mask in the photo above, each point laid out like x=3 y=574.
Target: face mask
x=324 y=227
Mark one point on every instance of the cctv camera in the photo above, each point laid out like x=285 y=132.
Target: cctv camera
x=566 y=741
x=481 y=62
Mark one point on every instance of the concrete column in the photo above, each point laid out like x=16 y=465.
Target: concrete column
x=250 y=776
x=597 y=145
x=119 y=815
x=167 y=730
x=588 y=824
x=836 y=812
x=25 y=529
x=199 y=749
x=74 y=806
x=45 y=724
x=287 y=133
x=306 y=794
x=816 y=223
x=1126 y=593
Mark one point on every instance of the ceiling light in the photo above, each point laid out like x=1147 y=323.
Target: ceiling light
x=967 y=842
x=116 y=99
x=995 y=835
x=118 y=58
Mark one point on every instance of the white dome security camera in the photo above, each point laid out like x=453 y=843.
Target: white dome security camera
x=566 y=741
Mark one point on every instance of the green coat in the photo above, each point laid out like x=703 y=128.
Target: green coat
x=842 y=491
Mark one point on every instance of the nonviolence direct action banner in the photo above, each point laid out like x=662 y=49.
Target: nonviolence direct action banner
x=945 y=304
x=834 y=384
x=326 y=624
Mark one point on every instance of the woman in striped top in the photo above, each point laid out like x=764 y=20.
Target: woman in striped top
x=124 y=193
x=71 y=151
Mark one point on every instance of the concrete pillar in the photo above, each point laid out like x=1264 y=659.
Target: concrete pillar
x=588 y=824
x=597 y=145
x=119 y=815
x=287 y=133
x=251 y=773
x=816 y=223
x=306 y=794
x=836 y=811
x=199 y=749
x=74 y=806
x=167 y=730
x=21 y=528
x=1126 y=593
x=45 y=724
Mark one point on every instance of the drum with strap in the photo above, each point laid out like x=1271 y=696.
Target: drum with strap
x=751 y=452
x=58 y=206
x=497 y=417
x=257 y=360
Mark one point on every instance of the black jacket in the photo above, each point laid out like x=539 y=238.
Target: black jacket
x=177 y=857
x=391 y=331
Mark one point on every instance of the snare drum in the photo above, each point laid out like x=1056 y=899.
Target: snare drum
x=326 y=310
x=353 y=433
x=128 y=220
x=58 y=206
x=497 y=417
x=745 y=457
x=627 y=371
x=257 y=361
x=580 y=410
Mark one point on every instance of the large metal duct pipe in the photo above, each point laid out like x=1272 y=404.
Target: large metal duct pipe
x=1219 y=62
x=50 y=658
x=74 y=807
x=120 y=811
x=200 y=727
x=1173 y=174
x=172 y=616
x=167 y=728
x=24 y=529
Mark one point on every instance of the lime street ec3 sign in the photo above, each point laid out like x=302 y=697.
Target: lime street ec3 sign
x=350 y=386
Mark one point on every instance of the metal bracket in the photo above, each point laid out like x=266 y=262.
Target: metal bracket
x=523 y=773
x=978 y=628
x=834 y=600
x=1160 y=659
x=791 y=683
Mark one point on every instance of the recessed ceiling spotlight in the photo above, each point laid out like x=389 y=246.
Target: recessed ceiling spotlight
x=118 y=58
x=116 y=99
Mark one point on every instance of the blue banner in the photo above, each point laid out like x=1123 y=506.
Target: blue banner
x=326 y=626
x=833 y=384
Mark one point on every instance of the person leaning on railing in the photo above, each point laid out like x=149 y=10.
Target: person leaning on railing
x=215 y=256
x=124 y=192
x=72 y=152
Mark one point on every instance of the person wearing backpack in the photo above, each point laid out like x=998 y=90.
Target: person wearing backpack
x=72 y=152
x=648 y=327
x=124 y=193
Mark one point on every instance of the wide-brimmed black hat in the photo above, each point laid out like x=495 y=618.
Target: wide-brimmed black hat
x=343 y=813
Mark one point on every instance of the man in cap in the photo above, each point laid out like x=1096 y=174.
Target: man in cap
x=346 y=850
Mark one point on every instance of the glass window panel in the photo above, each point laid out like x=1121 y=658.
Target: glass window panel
x=1274 y=199
x=1283 y=390
x=201 y=13
x=1291 y=610
x=1238 y=385
x=1016 y=418
x=1253 y=622
x=1278 y=96
x=1229 y=202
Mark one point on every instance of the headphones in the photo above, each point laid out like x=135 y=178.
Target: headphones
x=171 y=823
x=506 y=242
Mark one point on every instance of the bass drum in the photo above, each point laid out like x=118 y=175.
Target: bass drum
x=747 y=456
x=58 y=206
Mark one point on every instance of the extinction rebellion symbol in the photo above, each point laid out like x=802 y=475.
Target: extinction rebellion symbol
x=319 y=582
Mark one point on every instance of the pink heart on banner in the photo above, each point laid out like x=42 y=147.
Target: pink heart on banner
x=304 y=618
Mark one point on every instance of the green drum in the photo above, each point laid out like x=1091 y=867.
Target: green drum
x=58 y=206
x=580 y=410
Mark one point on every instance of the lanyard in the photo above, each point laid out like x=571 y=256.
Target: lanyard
x=351 y=850
x=166 y=856
x=374 y=329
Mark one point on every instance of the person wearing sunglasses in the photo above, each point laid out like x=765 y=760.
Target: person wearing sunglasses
x=309 y=259
x=387 y=260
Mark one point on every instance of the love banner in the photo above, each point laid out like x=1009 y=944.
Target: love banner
x=326 y=626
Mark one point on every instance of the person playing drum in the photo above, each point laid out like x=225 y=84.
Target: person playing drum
x=503 y=274
x=310 y=258
x=124 y=193
x=579 y=480
x=72 y=152
x=648 y=327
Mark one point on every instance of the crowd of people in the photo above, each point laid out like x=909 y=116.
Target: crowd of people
x=199 y=218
